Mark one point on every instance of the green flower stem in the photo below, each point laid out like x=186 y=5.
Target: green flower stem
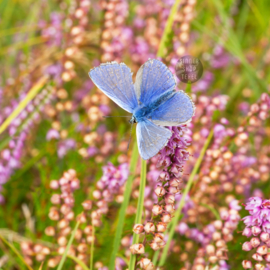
x=124 y=205
x=182 y=201
x=139 y=212
x=60 y=265
x=16 y=252
x=168 y=28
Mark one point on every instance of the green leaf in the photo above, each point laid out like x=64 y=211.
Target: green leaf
x=122 y=212
x=68 y=246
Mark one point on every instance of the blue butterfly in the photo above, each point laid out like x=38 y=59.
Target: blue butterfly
x=152 y=100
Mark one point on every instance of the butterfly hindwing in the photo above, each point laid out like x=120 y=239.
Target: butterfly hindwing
x=175 y=111
x=115 y=80
x=152 y=80
x=151 y=138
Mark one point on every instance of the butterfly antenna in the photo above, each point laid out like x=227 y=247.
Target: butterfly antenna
x=113 y=116
x=130 y=135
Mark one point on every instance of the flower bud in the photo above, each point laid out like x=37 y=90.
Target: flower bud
x=257 y=257
x=82 y=248
x=247 y=232
x=87 y=205
x=155 y=246
x=64 y=209
x=210 y=249
x=149 y=227
x=90 y=239
x=97 y=194
x=267 y=257
x=66 y=231
x=166 y=218
x=262 y=250
x=45 y=251
x=213 y=259
x=146 y=264
x=96 y=222
x=264 y=236
x=78 y=235
x=62 y=241
x=173 y=190
x=216 y=236
x=256 y=230
x=56 y=199
x=137 y=249
x=247 y=246
x=160 y=191
x=169 y=208
x=50 y=231
x=199 y=260
x=174 y=182
x=54 y=215
x=54 y=184
x=254 y=108
x=62 y=223
x=88 y=229
x=138 y=228
x=259 y=266
x=255 y=242
x=70 y=215
x=82 y=218
x=218 y=224
x=161 y=227
x=268 y=243
x=198 y=267
x=52 y=262
x=246 y=264
x=220 y=243
x=222 y=254
x=158 y=238
x=157 y=210
x=169 y=198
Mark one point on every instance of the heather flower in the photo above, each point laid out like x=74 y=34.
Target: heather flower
x=52 y=134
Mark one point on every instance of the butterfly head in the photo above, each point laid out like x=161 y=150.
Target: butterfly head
x=133 y=120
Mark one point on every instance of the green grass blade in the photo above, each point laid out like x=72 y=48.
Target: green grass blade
x=139 y=212
x=168 y=28
x=212 y=209
x=30 y=95
x=92 y=249
x=23 y=44
x=18 y=30
x=182 y=201
x=122 y=212
x=68 y=246
x=16 y=252
x=81 y=263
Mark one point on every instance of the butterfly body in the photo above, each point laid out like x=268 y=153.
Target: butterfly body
x=143 y=112
x=152 y=100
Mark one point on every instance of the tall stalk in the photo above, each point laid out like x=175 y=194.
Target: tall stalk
x=182 y=201
x=124 y=205
x=139 y=212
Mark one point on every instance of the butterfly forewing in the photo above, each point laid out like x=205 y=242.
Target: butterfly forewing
x=151 y=138
x=152 y=80
x=176 y=111
x=115 y=80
